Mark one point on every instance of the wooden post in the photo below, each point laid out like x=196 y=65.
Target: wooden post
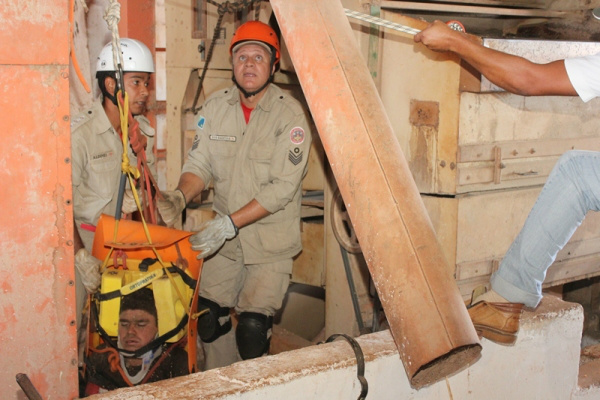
x=425 y=310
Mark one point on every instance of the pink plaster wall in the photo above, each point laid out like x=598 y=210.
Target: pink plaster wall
x=37 y=307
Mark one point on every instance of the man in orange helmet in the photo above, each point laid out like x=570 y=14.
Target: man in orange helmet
x=252 y=142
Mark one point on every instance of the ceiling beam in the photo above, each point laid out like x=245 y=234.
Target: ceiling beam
x=468 y=9
x=498 y=3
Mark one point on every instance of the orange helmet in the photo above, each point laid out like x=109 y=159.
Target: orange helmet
x=256 y=31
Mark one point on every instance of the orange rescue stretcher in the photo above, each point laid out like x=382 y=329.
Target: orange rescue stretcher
x=167 y=265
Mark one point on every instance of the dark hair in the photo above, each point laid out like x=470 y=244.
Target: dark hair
x=141 y=299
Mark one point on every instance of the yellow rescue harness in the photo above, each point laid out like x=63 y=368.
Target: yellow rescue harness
x=168 y=266
x=136 y=254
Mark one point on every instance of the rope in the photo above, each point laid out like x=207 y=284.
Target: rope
x=126 y=166
x=360 y=362
x=381 y=22
x=138 y=144
x=112 y=18
x=453 y=24
x=353 y=293
x=132 y=172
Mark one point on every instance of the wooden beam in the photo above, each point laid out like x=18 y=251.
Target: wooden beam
x=455 y=8
x=498 y=3
x=425 y=310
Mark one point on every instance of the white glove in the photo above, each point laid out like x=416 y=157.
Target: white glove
x=129 y=205
x=212 y=235
x=171 y=206
x=88 y=267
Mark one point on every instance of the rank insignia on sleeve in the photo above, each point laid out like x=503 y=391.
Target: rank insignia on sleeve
x=201 y=122
x=295 y=156
x=196 y=142
x=297 y=135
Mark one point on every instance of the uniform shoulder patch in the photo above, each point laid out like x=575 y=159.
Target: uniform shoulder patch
x=297 y=135
x=80 y=119
x=201 y=122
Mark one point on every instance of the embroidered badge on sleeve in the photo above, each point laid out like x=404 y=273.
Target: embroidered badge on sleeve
x=297 y=135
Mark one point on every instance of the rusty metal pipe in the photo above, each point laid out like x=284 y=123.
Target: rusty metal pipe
x=27 y=387
x=426 y=313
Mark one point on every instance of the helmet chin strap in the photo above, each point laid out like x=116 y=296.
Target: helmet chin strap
x=247 y=93
x=110 y=97
x=113 y=99
x=105 y=92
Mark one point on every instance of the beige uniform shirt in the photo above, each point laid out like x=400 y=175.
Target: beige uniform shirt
x=96 y=150
x=263 y=160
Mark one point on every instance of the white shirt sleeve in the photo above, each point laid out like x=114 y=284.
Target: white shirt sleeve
x=584 y=73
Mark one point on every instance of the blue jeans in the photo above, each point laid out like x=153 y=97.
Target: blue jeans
x=572 y=189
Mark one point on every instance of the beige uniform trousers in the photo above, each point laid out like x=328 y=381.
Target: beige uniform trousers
x=246 y=287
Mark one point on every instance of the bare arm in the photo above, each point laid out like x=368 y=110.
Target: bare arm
x=512 y=73
x=248 y=214
x=190 y=185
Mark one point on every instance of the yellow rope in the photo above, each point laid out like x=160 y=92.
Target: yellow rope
x=132 y=172
x=126 y=166
x=112 y=18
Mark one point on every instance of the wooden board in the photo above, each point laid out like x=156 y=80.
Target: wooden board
x=475 y=230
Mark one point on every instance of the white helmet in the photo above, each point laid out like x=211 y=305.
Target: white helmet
x=136 y=57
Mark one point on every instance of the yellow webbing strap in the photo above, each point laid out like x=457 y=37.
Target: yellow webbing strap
x=143 y=281
x=112 y=18
x=133 y=173
x=126 y=167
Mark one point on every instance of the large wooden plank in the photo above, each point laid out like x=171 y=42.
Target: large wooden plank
x=503 y=117
x=427 y=317
x=475 y=231
x=472 y=9
x=506 y=140
x=525 y=148
x=413 y=77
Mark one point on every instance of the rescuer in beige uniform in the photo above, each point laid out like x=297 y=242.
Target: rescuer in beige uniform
x=96 y=148
x=252 y=142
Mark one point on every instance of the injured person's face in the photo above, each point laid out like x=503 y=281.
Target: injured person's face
x=137 y=328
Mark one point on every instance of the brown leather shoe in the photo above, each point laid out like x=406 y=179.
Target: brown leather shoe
x=498 y=322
